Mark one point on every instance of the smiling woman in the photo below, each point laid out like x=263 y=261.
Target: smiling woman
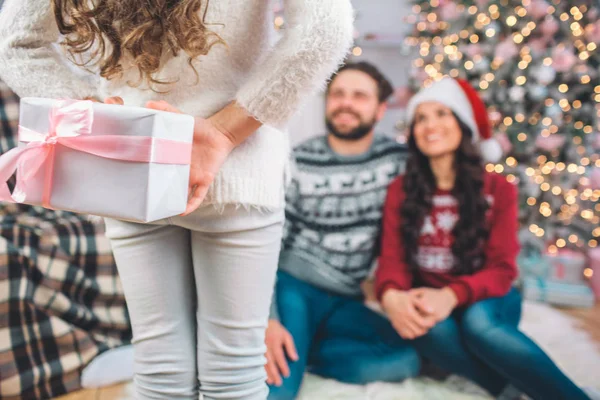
x=449 y=248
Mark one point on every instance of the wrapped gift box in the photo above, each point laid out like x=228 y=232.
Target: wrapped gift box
x=122 y=162
x=566 y=266
x=557 y=293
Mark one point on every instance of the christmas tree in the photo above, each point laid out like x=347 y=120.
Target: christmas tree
x=537 y=66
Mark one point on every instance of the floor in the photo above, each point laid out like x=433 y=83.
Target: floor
x=107 y=393
x=588 y=319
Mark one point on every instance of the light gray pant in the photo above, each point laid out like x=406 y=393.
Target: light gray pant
x=198 y=290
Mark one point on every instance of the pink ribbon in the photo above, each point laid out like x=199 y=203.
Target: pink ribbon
x=71 y=126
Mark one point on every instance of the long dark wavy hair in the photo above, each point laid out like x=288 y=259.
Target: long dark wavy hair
x=470 y=232
x=143 y=29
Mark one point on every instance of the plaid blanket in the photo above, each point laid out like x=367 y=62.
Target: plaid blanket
x=61 y=302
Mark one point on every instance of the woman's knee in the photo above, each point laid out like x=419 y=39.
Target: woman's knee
x=396 y=366
x=478 y=320
x=442 y=332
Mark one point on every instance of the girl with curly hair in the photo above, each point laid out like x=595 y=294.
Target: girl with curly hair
x=198 y=286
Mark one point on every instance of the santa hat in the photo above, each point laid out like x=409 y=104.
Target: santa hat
x=463 y=99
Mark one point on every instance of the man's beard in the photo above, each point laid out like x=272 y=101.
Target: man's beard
x=355 y=134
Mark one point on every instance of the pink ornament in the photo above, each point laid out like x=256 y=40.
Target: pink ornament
x=449 y=11
x=504 y=141
x=592 y=32
x=538 y=45
x=432 y=26
x=549 y=27
x=495 y=117
x=473 y=50
x=400 y=97
x=594 y=255
x=562 y=59
x=596 y=141
x=550 y=143
x=506 y=50
x=537 y=9
x=595 y=179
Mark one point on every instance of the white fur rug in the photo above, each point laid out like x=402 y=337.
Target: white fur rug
x=571 y=348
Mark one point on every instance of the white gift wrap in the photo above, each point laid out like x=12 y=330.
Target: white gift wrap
x=133 y=191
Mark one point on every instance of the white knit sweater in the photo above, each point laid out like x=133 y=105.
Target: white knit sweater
x=268 y=79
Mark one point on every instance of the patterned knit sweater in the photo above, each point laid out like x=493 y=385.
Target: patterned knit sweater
x=268 y=79
x=333 y=213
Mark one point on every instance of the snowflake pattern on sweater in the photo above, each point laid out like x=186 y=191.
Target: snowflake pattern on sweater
x=435 y=252
x=334 y=209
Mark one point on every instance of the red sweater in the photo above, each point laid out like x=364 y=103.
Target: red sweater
x=435 y=253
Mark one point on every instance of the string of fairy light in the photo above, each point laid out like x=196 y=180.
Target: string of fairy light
x=484 y=23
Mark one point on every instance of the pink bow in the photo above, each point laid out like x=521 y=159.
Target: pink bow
x=71 y=125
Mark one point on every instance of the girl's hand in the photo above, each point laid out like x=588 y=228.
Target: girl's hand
x=210 y=149
x=405 y=317
x=437 y=303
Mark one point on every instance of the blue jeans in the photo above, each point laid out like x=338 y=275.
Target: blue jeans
x=482 y=343
x=338 y=337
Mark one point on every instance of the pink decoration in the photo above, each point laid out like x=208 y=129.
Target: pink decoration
x=495 y=117
x=594 y=255
x=473 y=50
x=504 y=141
x=538 y=45
x=549 y=27
x=596 y=141
x=400 y=97
x=506 y=50
x=449 y=11
x=592 y=32
x=70 y=126
x=549 y=143
x=595 y=179
x=537 y=8
x=563 y=60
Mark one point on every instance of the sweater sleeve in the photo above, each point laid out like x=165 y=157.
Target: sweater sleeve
x=496 y=277
x=29 y=61
x=392 y=271
x=316 y=39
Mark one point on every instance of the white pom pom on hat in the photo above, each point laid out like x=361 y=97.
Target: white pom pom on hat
x=464 y=101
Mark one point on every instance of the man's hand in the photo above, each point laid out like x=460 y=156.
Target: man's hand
x=279 y=343
x=403 y=313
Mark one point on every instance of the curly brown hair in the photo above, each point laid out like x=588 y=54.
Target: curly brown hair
x=471 y=231
x=142 y=29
